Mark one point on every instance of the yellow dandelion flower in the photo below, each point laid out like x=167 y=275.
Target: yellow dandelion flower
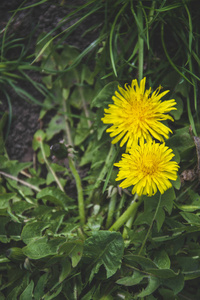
x=137 y=114
x=148 y=167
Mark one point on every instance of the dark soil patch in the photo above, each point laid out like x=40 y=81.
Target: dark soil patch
x=43 y=18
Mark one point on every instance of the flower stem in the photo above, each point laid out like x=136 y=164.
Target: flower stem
x=111 y=209
x=128 y=225
x=103 y=172
x=67 y=128
x=121 y=204
x=79 y=191
x=150 y=227
x=132 y=209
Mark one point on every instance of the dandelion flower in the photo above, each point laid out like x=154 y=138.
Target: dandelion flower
x=148 y=167
x=137 y=114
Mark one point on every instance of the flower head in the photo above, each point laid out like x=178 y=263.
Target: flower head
x=137 y=114
x=148 y=167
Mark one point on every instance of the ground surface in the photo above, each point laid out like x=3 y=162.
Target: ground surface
x=41 y=18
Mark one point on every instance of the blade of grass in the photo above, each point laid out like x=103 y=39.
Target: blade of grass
x=168 y=57
x=189 y=56
x=6 y=28
x=111 y=38
x=140 y=43
x=110 y=171
x=70 y=29
x=32 y=5
x=9 y=115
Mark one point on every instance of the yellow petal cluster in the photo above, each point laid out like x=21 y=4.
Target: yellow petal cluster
x=137 y=114
x=148 y=167
x=136 y=118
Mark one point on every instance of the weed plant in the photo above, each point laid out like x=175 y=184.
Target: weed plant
x=67 y=229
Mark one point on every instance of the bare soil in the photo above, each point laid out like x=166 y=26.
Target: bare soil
x=42 y=18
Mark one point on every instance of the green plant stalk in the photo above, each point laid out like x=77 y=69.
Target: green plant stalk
x=49 y=167
x=190 y=60
x=67 y=129
x=111 y=38
x=80 y=90
x=111 y=210
x=140 y=45
x=168 y=57
x=128 y=225
x=81 y=206
x=103 y=172
x=132 y=209
x=120 y=206
x=150 y=227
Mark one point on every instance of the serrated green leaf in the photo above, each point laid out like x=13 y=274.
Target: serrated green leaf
x=162 y=260
x=52 y=295
x=167 y=200
x=42 y=247
x=28 y=292
x=74 y=249
x=153 y=284
x=191 y=218
x=56 y=196
x=4 y=199
x=56 y=125
x=68 y=55
x=104 y=248
x=82 y=131
x=19 y=288
x=175 y=285
x=32 y=231
x=181 y=140
x=104 y=97
x=193 y=202
x=160 y=218
x=144 y=218
x=39 y=289
x=177 y=183
x=144 y=262
x=166 y=294
x=183 y=87
x=136 y=278
x=87 y=75
x=66 y=269
x=163 y=273
x=177 y=113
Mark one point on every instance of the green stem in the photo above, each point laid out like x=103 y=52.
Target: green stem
x=127 y=214
x=111 y=209
x=128 y=225
x=121 y=204
x=80 y=89
x=49 y=167
x=103 y=172
x=67 y=129
x=154 y=217
x=140 y=44
x=79 y=191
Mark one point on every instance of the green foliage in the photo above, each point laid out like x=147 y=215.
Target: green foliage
x=55 y=213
